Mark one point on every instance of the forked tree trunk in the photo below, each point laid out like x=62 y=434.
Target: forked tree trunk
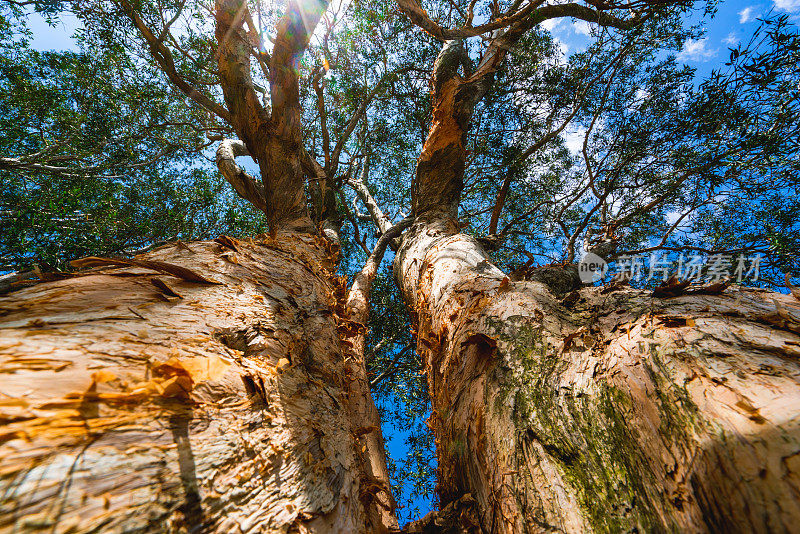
x=140 y=399
x=603 y=411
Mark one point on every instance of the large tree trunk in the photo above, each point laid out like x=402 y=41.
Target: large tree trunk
x=144 y=398
x=603 y=410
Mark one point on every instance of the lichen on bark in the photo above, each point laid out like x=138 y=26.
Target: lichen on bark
x=608 y=409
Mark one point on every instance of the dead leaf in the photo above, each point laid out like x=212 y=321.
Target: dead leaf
x=177 y=386
x=570 y=300
x=205 y=368
x=231 y=257
x=672 y=288
x=227 y=241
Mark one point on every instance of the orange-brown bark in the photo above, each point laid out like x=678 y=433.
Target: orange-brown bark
x=273 y=139
x=204 y=387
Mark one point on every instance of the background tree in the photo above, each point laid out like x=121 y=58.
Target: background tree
x=97 y=159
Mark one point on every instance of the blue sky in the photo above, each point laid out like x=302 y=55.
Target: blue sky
x=53 y=37
x=734 y=22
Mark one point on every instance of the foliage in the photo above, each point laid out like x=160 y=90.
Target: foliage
x=97 y=159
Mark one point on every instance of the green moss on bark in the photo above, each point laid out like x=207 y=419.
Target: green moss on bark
x=586 y=433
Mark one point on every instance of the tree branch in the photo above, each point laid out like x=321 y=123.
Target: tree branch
x=529 y=16
x=165 y=61
x=293 y=34
x=359 y=185
x=248 y=116
x=245 y=185
x=420 y=17
x=353 y=122
x=392 y=367
x=358 y=296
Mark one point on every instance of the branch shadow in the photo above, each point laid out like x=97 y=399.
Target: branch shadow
x=191 y=508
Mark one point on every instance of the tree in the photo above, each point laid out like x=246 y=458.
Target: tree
x=569 y=408
x=240 y=399
x=223 y=385
x=98 y=160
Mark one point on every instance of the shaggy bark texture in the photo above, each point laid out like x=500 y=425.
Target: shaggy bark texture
x=605 y=409
x=201 y=387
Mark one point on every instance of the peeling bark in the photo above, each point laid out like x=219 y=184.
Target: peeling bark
x=143 y=398
x=593 y=409
x=440 y=168
x=604 y=411
x=363 y=405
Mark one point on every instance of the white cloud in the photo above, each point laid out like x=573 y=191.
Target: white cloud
x=639 y=98
x=748 y=13
x=573 y=139
x=695 y=50
x=581 y=27
x=791 y=6
x=562 y=47
x=550 y=24
x=673 y=216
x=730 y=40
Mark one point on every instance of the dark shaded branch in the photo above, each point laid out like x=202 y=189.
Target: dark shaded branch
x=392 y=368
x=529 y=16
x=165 y=61
x=323 y=116
x=418 y=16
x=353 y=122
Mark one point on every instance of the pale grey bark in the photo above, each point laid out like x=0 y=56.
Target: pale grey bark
x=359 y=185
x=245 y=185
